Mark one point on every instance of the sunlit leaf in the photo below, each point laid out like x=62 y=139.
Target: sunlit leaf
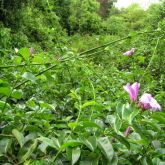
x=5 y=144
x=89 y=103
x=19 y=136
x=52 y=143
x=29 y=76
x=25 y=53
x=5 y=91
x=4 y=104
x=71 y=143
x=29 y=152
x=159 y=117
x=75 y=155
x=106 y=148
x=90 y=142
x=122 y=140
x=17 y=94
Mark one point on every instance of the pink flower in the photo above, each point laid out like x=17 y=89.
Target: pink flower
x=148 y=102
x=130 y=52
x=127 y=131
x=132 y=90
x=31 y=51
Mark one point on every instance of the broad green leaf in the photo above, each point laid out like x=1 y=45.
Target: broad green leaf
x=147 y=160
x=110 y=119
x=94 y=161
x=4 y=104
x=143 y=133
x=122 y=140
x=89 y=103
x=117 y=124
x=71 y=143
x=91 y=142
x=19 y=136
x=57 y=162
x=152 y=123
x=89 y=124
x=46 y=105
x=29 y=76
x=157 y=161
x=52 y=143
x=43 y=147
x=5 y=91
x=114 y=160
x=106 y=148
x=156 y=144
x=32 y=104
x=30 y=136
x=17 y=60
x=25 y=53
x=5 y=144
x=17 y=94
x=99 y=123
x=124 y=161
x=74 y=95
x=69 y=153
x=72 y=125
x=141 y=59
x=29 y=152
x=38 y=59
x=144 y=162
x=76 y=152
x=134 y=113
x=160 y=151
x=126 y=112
x=4 y=83
x=159 y=116
x=119 y=109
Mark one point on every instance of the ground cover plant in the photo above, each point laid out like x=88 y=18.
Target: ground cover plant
x=70 y=94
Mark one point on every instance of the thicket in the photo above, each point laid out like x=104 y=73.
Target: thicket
x=62 y=72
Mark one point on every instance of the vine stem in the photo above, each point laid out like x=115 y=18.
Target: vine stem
x=10 y=66
x=109 y=43
x=152 y=58
x=6 y=135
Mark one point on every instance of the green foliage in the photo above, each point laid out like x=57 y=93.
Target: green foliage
x=134 y=15
x=115 y=25
x=84 y=17
x=5 y=36
x=61 y=107
x=155 y=15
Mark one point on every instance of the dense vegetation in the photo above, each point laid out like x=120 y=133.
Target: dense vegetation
x=81 y=82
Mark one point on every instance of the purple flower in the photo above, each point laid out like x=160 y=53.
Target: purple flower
x=148 y=102
x=132 y=90
x=127 y=131
x=130 y=52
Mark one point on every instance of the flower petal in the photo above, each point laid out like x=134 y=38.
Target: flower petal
x=135 y=86
x=145 y=98
x=128 y=53
x=149 y=102
x=154 y=105
x=130 y=91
